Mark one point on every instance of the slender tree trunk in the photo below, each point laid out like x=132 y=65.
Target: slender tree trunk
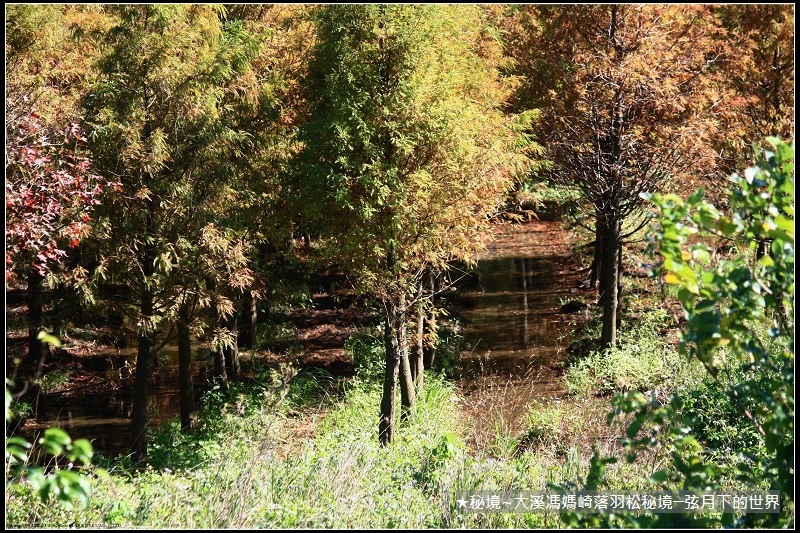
x=220 y=372
x=619 y=287
x=430 y=323
x=386 y=424
x=139 y=417
x=408 y=397
x=34 y=295
x=219 y=368
x=140 y=393
x=186 y=386
x=610 y=284
x=139 y=414
x=253 y=320
x=418 y=364
x=247 y=310
x=600 y=252
x=231 y=353
x=594 y=275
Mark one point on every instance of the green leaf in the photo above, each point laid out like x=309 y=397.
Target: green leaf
x=659 y=476
x=18 y=441
x=81 y=451
x=49 y=339
x=635 y=426
x=785 y=224
x=701 y=254
x=696 y=197
x=55 y=440
x=766 y=261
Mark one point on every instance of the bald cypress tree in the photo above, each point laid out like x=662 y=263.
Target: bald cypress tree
x=164 y=125
x=405 y=153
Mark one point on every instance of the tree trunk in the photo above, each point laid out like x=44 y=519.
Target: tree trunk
x=36 y=351
x=248 y=310
x=594 y=275
x=253 y=321
x=619 y=287
x=418 y=364
x=231 y=353
x=219 y=368
x=408 y=398
x=139 y=412
x=220 y=372
x=430 y=324
x=188 y=409
x=386 y=424
x=601 y=249
x=139 y=418
x=610 y=281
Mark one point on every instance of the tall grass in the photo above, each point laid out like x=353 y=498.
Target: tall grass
x=643 y=359
x=266 y=458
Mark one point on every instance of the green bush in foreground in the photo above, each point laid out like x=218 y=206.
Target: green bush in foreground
x=728 y=306
x=642 y=360
x=65 y=482
x=250 y=466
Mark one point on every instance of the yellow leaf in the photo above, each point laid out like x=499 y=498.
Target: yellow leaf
x=671 y=278
x=685 y=255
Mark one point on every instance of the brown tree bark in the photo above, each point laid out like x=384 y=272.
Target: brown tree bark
x=186 y=385
x=139 y=415
x=619 y=287
x=595 y=275
x=248 y=309
x=219 y=368
x=610 y=284
x=386 y=424
x=34 y=296
x=431 y=327
x=418 y=362
x=408 y=396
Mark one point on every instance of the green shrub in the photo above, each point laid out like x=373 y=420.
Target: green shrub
x=555 y=426
x=642 y=360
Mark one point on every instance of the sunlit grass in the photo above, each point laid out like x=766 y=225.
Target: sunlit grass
x=251 y=467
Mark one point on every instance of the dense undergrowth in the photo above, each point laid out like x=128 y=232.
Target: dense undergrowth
x=296 y=449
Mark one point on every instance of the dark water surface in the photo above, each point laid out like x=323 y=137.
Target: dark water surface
x=103 y=416
x=513 y=327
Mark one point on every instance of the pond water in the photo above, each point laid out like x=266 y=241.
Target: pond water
x=515 y=333
x=103 y=415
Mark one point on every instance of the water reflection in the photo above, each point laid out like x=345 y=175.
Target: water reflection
x=514 y=318
x=514 y=330
x=103 y=417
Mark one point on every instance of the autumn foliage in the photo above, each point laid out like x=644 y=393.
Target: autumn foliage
x=50 y=189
